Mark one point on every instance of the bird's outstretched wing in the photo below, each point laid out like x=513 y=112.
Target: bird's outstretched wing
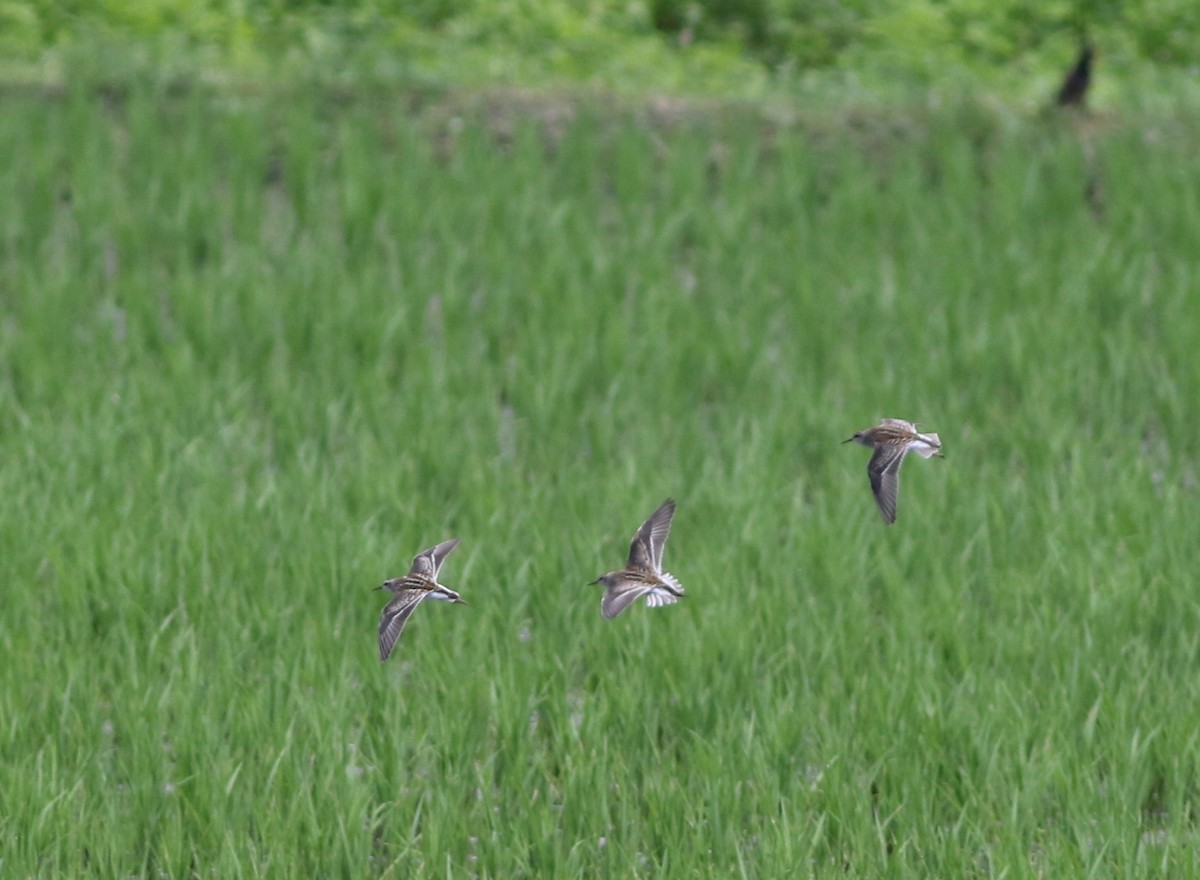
x=429 y=562
x=884 y=471
x=646 y=549
x=395 y=614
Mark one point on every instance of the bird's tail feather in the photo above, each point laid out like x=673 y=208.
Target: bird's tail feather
x=932 y=446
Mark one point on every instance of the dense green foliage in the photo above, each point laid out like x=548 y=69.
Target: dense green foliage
x=256 y=353
x=691 y=45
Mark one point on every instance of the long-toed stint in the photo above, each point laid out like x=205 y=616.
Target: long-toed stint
x=892 y=439
x=411 y=590
x=643 y=574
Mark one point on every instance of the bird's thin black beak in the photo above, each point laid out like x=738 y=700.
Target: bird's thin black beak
x=380 y=587
x=848 y=439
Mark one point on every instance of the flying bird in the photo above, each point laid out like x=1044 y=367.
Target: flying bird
x=892 y=439
x=411 y=590
x=643 y=575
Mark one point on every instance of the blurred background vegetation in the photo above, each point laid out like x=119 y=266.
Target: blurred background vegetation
x=724 y=47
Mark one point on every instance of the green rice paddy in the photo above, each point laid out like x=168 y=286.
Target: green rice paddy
x=257 y=351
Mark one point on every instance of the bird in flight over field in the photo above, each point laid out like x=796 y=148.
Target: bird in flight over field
x=892 y=439
x=411 y=590
x=643 y=575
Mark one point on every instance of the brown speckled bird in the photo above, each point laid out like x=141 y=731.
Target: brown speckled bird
x=411 y=590
x=643 y=574
x=892 y=439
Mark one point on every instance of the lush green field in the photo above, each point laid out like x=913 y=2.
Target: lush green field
x=256 y=352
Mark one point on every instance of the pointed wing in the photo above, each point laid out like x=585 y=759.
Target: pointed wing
x=429 y=562
x=617 y=599
x=909 y=427
x=395 y=615
x=884 y=471
x=646 y=550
